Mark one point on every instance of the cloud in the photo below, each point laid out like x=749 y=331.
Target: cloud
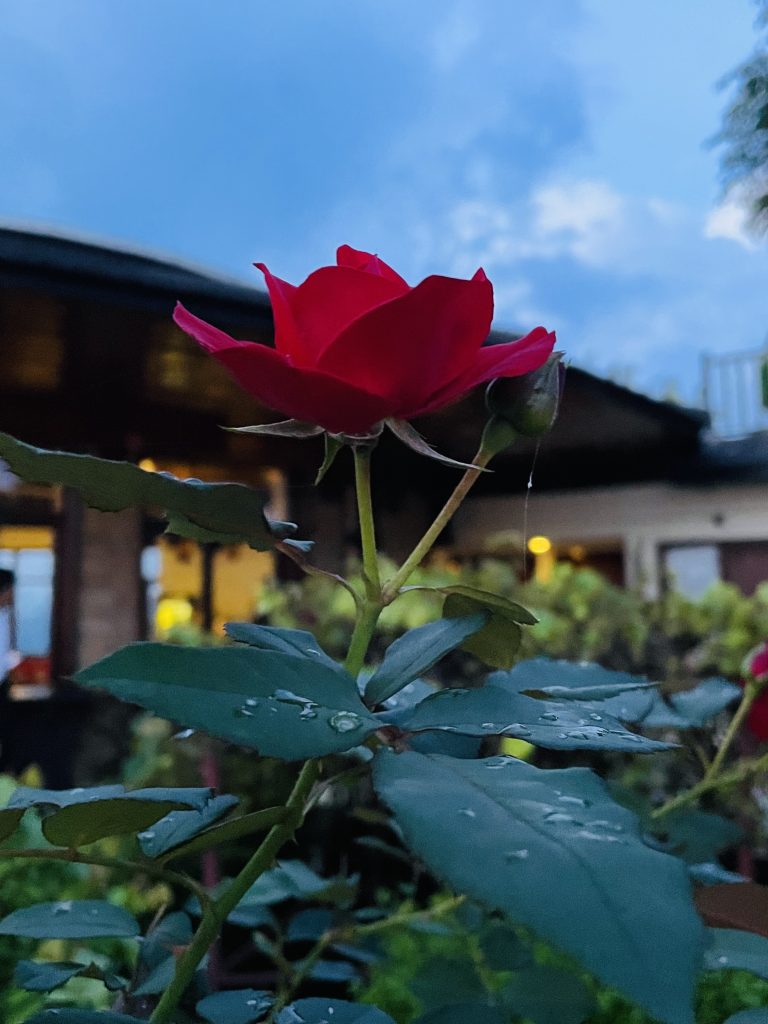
x=730 y=220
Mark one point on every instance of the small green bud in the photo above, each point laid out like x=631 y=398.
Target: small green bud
x=498 y=436
x=529 y=403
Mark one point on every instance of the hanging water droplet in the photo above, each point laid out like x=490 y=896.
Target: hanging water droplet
x=548 y=716
x=467 y=812
x=345 y=721
x=184 y=734
x=521 y=854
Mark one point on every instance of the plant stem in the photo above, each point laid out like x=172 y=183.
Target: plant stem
x=367 y=527
x=218 y=911
x=368 y=612
x=739 y=773
x=751 y=690
x=463 y=487
x=116 y=863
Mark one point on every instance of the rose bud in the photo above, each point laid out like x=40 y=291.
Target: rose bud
x=529 y=404
x=755 y=665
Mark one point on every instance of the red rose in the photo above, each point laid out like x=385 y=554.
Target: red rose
x=755 y=668
x=758 y=717
x=756 y=663
x=355 y=345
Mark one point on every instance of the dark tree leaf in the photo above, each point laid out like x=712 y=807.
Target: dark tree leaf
x=416 y=651
x=493 y=710
x=502 y=948
x=178 y=827
x=553 y=851
x=548 y=996
x=45 y=975
x=495 y=603
x=231 y=509
x=280 y=705
x=235 y=828
x=731 y=950
x=583 y=681
x=465 y=1013
x=80 y=824
x=70 y=919
x=498 y=641
x=692 y=708
x=9 y=821
x=309 y=925
x=242 y=1006
x=316 y=1011
x=65 y=1016
x=695 y=836
x=298 y=642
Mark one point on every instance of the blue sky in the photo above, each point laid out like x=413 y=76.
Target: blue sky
x=559 y=144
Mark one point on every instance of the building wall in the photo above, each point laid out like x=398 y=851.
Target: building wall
x=639 y=519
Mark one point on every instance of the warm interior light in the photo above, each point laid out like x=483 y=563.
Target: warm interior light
x=539 y=545
x=149 y=465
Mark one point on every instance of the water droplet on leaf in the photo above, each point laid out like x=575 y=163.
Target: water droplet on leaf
x=345 y=721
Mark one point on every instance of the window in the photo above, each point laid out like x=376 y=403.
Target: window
x=692 y=568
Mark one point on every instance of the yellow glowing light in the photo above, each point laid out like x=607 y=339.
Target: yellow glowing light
x=539 y=545
x=172 y=611
x=149 y=465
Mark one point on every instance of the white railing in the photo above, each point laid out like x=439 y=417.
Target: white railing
x=735 y=391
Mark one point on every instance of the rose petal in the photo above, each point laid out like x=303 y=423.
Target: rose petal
x=281 y=295
x=329 y=300
x=304 y=394
x=511 y=359
x=346 y=256
x=758 y=717
x=408 y=349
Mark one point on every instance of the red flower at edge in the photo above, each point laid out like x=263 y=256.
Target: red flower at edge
x=355 y=345
x=755 y=666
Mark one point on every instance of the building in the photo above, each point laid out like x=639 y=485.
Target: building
x=91 y=361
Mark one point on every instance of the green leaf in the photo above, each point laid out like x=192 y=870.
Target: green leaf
x=729 y=949
x=693 y=708
x=553 y=851
x=235 y=828
x=585 y=681
x=242 y=1006
x=232 y=509
x=309 y=925
x=465 y=1013
x=280 y=705
x=156 y=959
x=180 y=825
x=497 y=642
x=417 y=651
x=45 y=975
x=492 y=602
x=319 y=1011
x=493 y=710
x=695 y=836
x=70 y=919
x=298 y=642
x=443 y=980
x=64 y=1016
x=80 y=824
x=502 y=949
x=9 y=821
x=158 y=979
x=548 y=996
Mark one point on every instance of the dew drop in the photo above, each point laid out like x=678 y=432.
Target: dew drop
x=595 y=717
x=149 y=834
x=575 y=800
x=521 y=854
x=605 y=825
x=184 y=734
x=722 y=960
x=559 y=818
x=345 y=721
x=495 y=763
x=78 y=789
x=631 y=737
x=488 y=725
x=548 y=716
x=468 y=812
x=307 y=712
x=252 y=702
x=64 y=907
x=243 y=712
